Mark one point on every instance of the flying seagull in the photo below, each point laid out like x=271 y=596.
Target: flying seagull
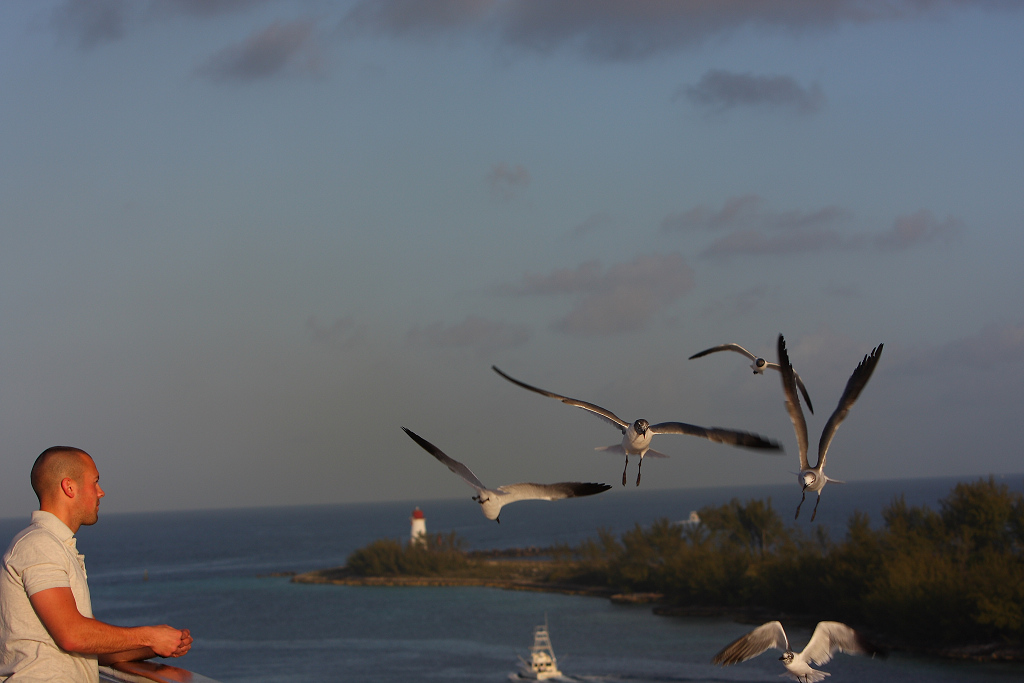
x=758 y=365
x=829 y=637
x=491 y=500
x=813 y=478
x=636 y=437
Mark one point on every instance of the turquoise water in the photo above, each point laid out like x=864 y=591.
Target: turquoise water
x=202 y=570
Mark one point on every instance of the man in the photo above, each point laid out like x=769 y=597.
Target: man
x=47 y=631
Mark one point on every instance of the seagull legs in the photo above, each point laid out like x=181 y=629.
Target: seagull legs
x=803 y=494
x=816 y=506
x=626 y=466
x=641 y=462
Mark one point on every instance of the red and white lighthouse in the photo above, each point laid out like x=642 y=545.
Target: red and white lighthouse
x=418 y=531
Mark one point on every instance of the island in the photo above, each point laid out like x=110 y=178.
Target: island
x=947 y=583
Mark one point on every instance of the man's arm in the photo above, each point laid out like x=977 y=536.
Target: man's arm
x=73 y=632
x=145 y=652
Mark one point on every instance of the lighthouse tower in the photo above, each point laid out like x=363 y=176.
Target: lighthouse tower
x=418 y=531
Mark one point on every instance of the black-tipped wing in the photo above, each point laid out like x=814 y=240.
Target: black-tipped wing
x=452 y=464
x=562 y=489
x=725 y=347
x=606 y=415
x=796 y=415
x=716 y=434
x=764 y=637
x=831 y=637
x=854 y=385
x=803 y=392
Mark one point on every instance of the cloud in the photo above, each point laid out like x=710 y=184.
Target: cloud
x=719 y=91
x=752 y=227
x=275 y=49
x=594 y=223
x=798 y=241
x=741 y=303
x=90 y=22
x=506 y=182
x=402 y=17
x=342 y=334
x=802 y=233
x=996 y=346
x=486 y=336
x=203 y=8
x=748 y=212
x=620 y=31
x=736 y=212
x=622 y=298
x=916 y=229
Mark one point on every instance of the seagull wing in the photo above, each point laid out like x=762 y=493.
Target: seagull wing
x=716 y=434
x=563 y=489
x=803 y=392
x=831 y=637
x=725 y=347
x=764 y=637
x=796 y=415
x=606 y=415
x=854 y=385
x=452 y=464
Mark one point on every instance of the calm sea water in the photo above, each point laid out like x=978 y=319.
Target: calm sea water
x=205 y=570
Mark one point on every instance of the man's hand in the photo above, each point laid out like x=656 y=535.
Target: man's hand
x=168 y=642
x=184 y=645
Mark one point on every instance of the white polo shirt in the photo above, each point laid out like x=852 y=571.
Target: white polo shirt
x=44 y=555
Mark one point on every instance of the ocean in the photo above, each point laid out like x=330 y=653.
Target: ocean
x=209 y=571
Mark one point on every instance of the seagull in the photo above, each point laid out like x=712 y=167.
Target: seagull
x=759 y=365
x=829 y=637
x=492 y=500
x=636 y=437
x=813 y=478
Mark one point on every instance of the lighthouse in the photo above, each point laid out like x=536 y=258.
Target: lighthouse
x=418 y=530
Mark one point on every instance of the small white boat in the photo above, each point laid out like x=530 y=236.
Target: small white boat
x=542 y=664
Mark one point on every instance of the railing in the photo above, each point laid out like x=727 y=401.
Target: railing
x=146 y=672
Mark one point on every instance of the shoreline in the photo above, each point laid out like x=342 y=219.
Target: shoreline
x=340 y=576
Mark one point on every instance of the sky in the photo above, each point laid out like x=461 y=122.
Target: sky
x=244 y=242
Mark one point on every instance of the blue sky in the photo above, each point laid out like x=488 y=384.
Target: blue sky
x=243 y=242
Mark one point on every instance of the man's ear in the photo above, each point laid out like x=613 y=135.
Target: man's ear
x=67 y=484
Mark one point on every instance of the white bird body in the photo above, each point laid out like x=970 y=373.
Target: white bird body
x=636 y=437
x=814 y=478
x=758 y=365
x=636 y=440
x=829 y=638
x=492 y=500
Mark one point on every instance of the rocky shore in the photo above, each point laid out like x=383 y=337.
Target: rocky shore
x=504 y=574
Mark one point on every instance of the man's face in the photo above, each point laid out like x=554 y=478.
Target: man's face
x=87 y=501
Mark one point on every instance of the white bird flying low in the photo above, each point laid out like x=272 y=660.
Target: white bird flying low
x=829 y=638
x=636 y=437
x=813 y=478
x=492 y=500
x=758 y=365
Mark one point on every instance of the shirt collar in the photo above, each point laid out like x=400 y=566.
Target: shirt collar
x=52 y=523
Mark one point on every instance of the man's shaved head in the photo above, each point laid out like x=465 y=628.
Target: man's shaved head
x=55 y=464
